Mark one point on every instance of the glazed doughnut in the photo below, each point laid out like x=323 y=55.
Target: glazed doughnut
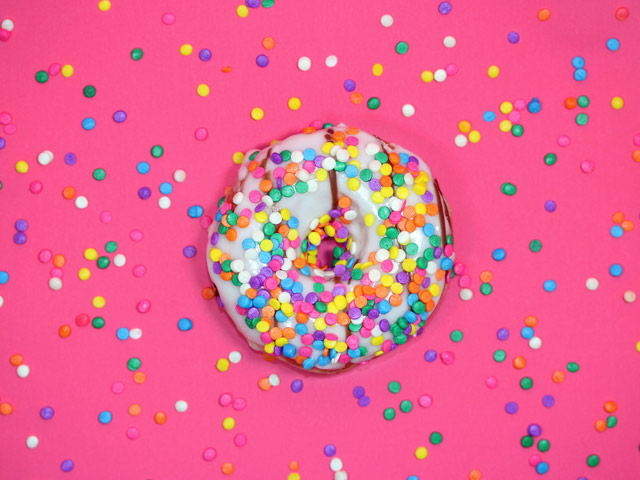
x=332 y=247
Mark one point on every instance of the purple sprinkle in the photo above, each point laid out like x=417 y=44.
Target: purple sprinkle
x=296 y=385
x=318 y=335
x=403 y=278
x=511 y=408
x=428 y=196
x=354 y=313
x=276 y=158
x=364 y=401
x=534 y=430
x=384 y=325
x=426 y=282
x=339 y=270
x=329 y=450
x=550 y=206
x=312 y=297
x=205 y=54
x=342 y=232
x=46 y=413
x=430 y=355
x=144 y=193
x=335 y=213
x=349 y=85
x=266 y=271
x=437 y=252
x=22 y=225
x=3 y=142
x=217 y=268
x=261 y=206
x=252 y=3
x=338 y=290
x=119 y=116
x=70 y=158
x=444 y=8
x=503 y=334
x=189 y=251
x=214 y=238
x=253 y=312
x=279 y=183
x=277 y=351
x=262 y=60
x=66 y=465
x=407 y=330
x=548 y=401
x=373 y=313
x=19 y=238
x=358 y=391
x=513 y=37
x=375 y=185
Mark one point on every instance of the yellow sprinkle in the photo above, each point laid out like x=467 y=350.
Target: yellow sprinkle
x=261 y=217
x=377 y=69
x=369 y=219
x=257 y=113
x=294 y=103
x=266 y=245
x=474 y=136
x=617 y=103
x=314 y=238
x=222 y=364
x=427 y=76
x=98 y=301
x=377 y=197
x=402 y=192
x=203 y=90
x=84 y=274
x=281 y=342
x=386 y=280
x=238 y=157
x=386 y=192
x=104 y=5
x=90 y=254
x=186 y=49
x=377 y=340
x=506 y=107
x=67 y=71
x=353 y=153
x=242 y=11
x=421 y=208
x=464 y=126
x=228 y=423
x=409 y=265
x=434 y=289
x=269 y=347
x=287 y=309
x=341 y=347
x=320 y=324
x=397 y=288
x=505 y=126
x=353 y=184
x=350 y=297
x=393 y=252
x=214 y=254
x=421 y=453
x=493 y=71
x=326 y=147
x=293 y=476
x=22 y=166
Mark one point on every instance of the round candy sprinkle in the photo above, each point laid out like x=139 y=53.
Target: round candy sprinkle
x=499 y=254
x=615 y=270
x=622 y=13
x=136 y=54
x=67 y=465
x=386 y=20
x=613 y=44
x=513 y=37
x=262 y=60
x=629 y=296
x=389 y=413
x=304 y=64
x=449 y=41
x=105 y=417
x=444 y=8
x=32 y=441
x=185 y=324
x=508 y=189
x=544 y=14
x=549 y=285
x=408 y=110
x=402 y=47
x=593 y=460
x=511 y=408
x=296 y=385
x=373 y=103
x=394 y=387
x=88 y=123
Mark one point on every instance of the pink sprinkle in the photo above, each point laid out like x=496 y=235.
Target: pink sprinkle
x=209 y=454
x=205 y=221
x=169 y=19
x=305 y=351
x=514 y=116
x=144 y=305
x=279 y=172
x=587 y=166
x=448 y=250
x=139 y=270
x=534 y=459
x=519 y=105
x=135 y=235
x=239 y=404
x=133 y=433
x=491 y=382
x=258 y=172
x=451 y=69
x=447 y=357
x=317 y=124
x=56 y=272
x=117 y=387
x=105 y=216
x=459 y=268
x=240 y=440
x=201 y=134
x=45 y=255
x=425 y=400
x=395 y=217
x=54 y=69
x=10 y=129
x=254 y=196
x=464 y=281
x=225 y=399
x=5 y=35
x=564 y=140
x=35 y=187
x=351 y=140
x=5 y=118
x=636 y=140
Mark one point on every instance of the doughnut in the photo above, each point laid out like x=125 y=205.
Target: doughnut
x=331 y=248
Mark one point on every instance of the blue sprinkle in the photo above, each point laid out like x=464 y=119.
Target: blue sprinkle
x=248 y=243
x=88 y=123
x=549 y=285
x=4 y=277
x=542 y=467
x=499 y=254
x=580 y=74
x=143 y=168
x=613 y=44
x=195 y=211
x=105 y=417
x=527 y=332
x=615 y=270
x=309 y=154
x=166 y=188
x=122 y=333
x=616 y=231
x=185 y=324
x=488 y=116
x=577 y=62
x=534 y=106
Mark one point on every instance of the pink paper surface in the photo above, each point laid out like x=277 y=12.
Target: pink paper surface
x=596 y=329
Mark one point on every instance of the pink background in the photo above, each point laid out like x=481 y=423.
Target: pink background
x=73 y=375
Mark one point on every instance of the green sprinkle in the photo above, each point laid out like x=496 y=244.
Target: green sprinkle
x=573 y=367
x=394 y=387
x=111 y=246
x=508 y=188
x=499 y=355
x=543 y=445
x=550 y=158
x=583 y=101
x=97 y=322
x=366 y=174
x=157 y=151
x=486 y=288
x=535 y=245
x=406 y=406
x=389 y=413
x=412 y=249
x=357 y=274
x=267 y=3
x=593 y=460
x=42 y=76
x=99 y=174
x=103 y=262
x=526 y=383
x=517 y=130
x=373 y=103
x=136 y=54
x=89 y=91
x=133 y=364
x=612 y=421
x=582 y=119
x=526 y=441
x=402 y=48
x=456 y=336
x=435 y=438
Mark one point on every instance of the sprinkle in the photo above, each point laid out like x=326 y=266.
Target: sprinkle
x=493 y=71
x=331 y=61
x=386 y=20
x=257 y=113
x=304 y=64
x=408 y=110
x=449 y=41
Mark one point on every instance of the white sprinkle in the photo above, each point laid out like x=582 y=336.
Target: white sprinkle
x=386 y=20
x=460 y=140
x=284 y=297
x=235 y=357
x=375 y=166
x=250 y=254
x=342 y=155
x=382 y=255
x=408 y=179
x=7 y=24
x=238 y=197
x=244 y=276
x=328 y=163
x=23 y=371
x=449 y=41
x=466 y=294
x=1 y=301
x=331 y=61
x=313 y=186
x=179 y=176
x=164 y=202
x=274 y=380
x=629 y=296
x=302 y=175
x=340 y=475
x=32 y=441
x=119 y=260
x=351 y=215
x=335 y=464
x=257 y=235
x=304 y=63
x=267 y=200
x=592 y=284
x=535 y=343
x=55 y=283
x=297 y=156
x=374 y=275
x=372 y=148
x=244 y=288
x=135 y=333
x=408 y=110
x=82 y=202
x=45 y=158
x=440 y=75
x=404 y=237
x=237 y=265
x=181 y=406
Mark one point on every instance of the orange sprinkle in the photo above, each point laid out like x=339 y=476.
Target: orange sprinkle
x=419 y=220
x=6 y=408
x=617 y=217
x=299 y=262
x=275 y=333
x=432 y=209
x=226 y=69
x=308 y=130
x=356 y=98
x=289 y=333
x=268 y=358
x=268 y=43
x=294 y=466
x=343 y=319
x=139 y=377
x=544 y=14
x=610 y=406
x=59 y=260
x=558 y=376
x=636 y=155
x=266 y=185
x=386 y=181
x=64 y=331
x=351 y=130
x=227 y=468
x=627 y=225
x=570 y=103
x=268 y=311
x=601 y=425
x=519 y=362
x=430 y=305
x=302 y=317
x=227 y=276
x=381 y=291
x=232 y=234
x=208 y=293
x=16 y=359
x=135 y=409
x=243 y=222
x=339 y=136
x=394 y=158
x=344 y=202
x=160 y=418
x=530 y=321
x=475 y=475
x=252 y=166
x=69 y=193
x=486 y=276
x=440 y=274
x=264 y=384
x=395 y=300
